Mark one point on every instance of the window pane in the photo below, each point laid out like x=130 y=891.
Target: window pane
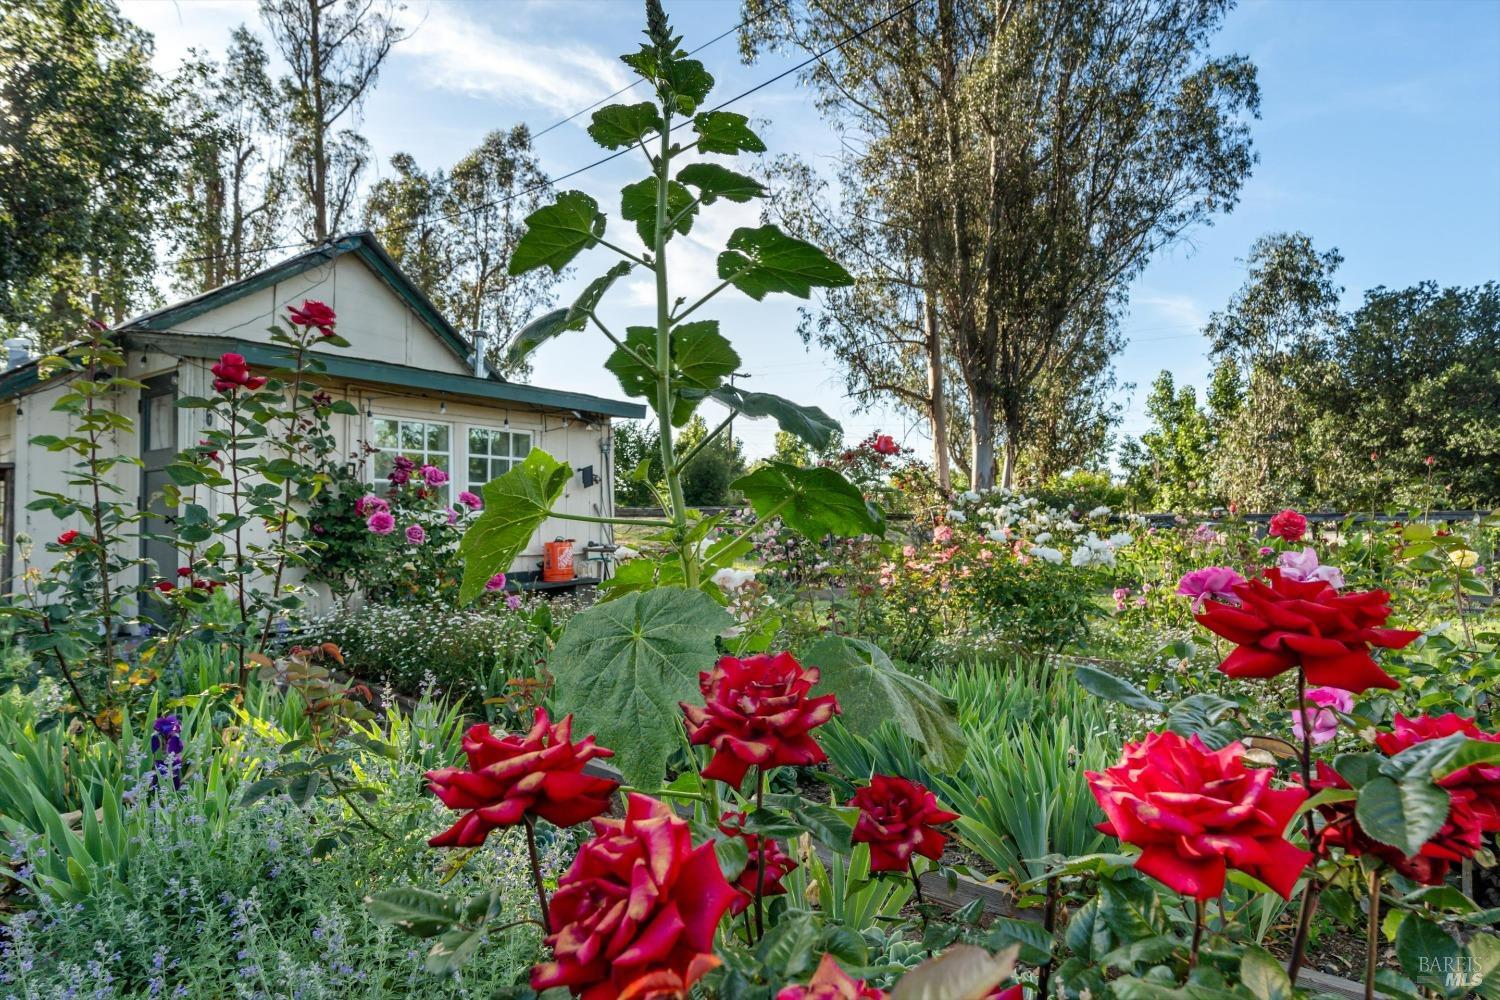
x=499 y=467
x=477 y=470
x=383 y=463
x=411 y=437
x=437 y=437
x=479 y=441
x=520 y=445
x=384 y=433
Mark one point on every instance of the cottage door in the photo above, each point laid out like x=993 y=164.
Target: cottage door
x=158 y=448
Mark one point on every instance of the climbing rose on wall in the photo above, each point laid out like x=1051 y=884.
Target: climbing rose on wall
x=369 y=504
x=1196 y=812
x=1283 y=623
x=469 y=500
x=512 y=777
x=313 y=313
x=1288 y=525
x=899 y=818
x=638 y=899
x=758 y=712
x=381 y=522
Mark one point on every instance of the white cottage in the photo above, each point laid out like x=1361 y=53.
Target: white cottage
x=410 y=375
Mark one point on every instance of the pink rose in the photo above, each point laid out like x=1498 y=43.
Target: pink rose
x=381 y=522
x=1324 y=723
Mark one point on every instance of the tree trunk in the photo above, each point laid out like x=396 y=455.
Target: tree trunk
x=1012 y=455
x=935 y=389
x=982 y=440
x=320 y=126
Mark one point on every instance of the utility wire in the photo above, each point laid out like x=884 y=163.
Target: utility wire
x=404 y=227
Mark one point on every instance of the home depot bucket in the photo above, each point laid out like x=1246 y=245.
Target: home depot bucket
x=557 y=565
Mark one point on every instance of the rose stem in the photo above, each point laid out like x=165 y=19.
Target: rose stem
x=1197 y=932
x=1049 y=923
x=916 y=883
x=1310 y=891
x=1372 y=934
x=760 y=855
x=536 y=873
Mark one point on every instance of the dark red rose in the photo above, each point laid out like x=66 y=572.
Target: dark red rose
x=884 y=444
x=668 y=984
x=638 y=899
x=67 y=537
x=1196 y=812
x=777 y=863
x=1341 y=829
x=1283 y=623
x=165 y=586
x=184 y=571
x=231 y=373
x=1288 y=525
x=313 y=313
x=1473 y=790
x=512 y=777
x=897 y=818
x=757 y=712
x=830 y=982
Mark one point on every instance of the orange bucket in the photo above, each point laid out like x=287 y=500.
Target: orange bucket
x=557 y=565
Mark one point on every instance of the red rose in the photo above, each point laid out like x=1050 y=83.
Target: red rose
x=1017 y=992
x=1288 y=525
x=512 y=777
x=1283 y=623
x=165 y=586
x=231 y=373
x=1473 y=790
x=667 y=984
x=830 y=982
x=184 y=571
x=638 y=899
x=896 y=818
x=1195 y=812
x=777 y=863
x=884 y=444
x=757 y=711
x=313 y=313
x=1341 y=829
x=67 y=537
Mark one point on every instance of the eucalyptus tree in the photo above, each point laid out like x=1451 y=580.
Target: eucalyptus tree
x=1043 y=151
x=231 y=194
x=334 y=50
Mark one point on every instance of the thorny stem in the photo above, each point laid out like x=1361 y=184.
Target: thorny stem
x=1372 y=934
x=239 y=548
x=96 y=515
x=1197 y=932
x=536 y=873
x=760 y=852
x=916 y=884
x=286 y=496
x=1310 y=891
x=1049 y=924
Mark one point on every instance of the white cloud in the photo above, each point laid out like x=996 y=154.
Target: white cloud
x=459 y=54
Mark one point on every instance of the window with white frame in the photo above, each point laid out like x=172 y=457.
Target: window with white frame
x=492 y=451
x=425 y=442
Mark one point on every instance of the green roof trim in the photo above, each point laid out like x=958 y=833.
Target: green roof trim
x=343 y=366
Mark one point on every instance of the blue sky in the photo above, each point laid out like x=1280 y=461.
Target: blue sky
x=1379 y=134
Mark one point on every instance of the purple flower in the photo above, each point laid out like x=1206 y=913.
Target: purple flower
x=513 y=601
x=1324 y=723
x=381 y=522
x=166 y=740
x=432 y=475
x=1216 y=582
x=1303 y=566
x=369 y=504
x=1120 y=595
x=494 y=583
x=399 y=477
x=470 y=500
x=452 y=516
x=1266 y=550
x=415 y=534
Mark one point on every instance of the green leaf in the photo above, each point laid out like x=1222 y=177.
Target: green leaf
x=623 y=667
x=1428 y=953
x=733 y=854
x=714 y=182
x=726 y=132
x=701 y=357
x=872 y=690
x=813 y=502
x=1108 y=686
x=809 y=423
x=453 y=949
x=416 y=911
x=558 y=233
x=763 y=260
x=638 y=205
x=1483 y=953
x=515 y=503
x=619 y=125
x=828 y=825
x=1261 y=973
x=1403 y=814
x=573 y=317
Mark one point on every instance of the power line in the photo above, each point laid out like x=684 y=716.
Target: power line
x=404 y=227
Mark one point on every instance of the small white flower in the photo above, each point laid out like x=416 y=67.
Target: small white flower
x=969 y=496
x=1099 y=512
x=730 y=579
x=1121 y=539
x=1043 y=537
x=1045 y=554
x=956 y=516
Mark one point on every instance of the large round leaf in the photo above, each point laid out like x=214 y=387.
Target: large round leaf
x=515 y=503
x=813 y=502
x=765 y=259
x=558 y=233
x=623 y=667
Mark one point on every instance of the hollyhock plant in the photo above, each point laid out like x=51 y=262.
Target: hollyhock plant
x=1196 y=812
x=313 y=313
x=898 y=818
x=1210 y=582
x=765 y=852
x=512 y=777
x=1282 y=624
x=1288 y=525
x=381 y=522
x=1324 y=724
x=638 y=899
x=830 y=982
x=758 y=711
x=1304 y=566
